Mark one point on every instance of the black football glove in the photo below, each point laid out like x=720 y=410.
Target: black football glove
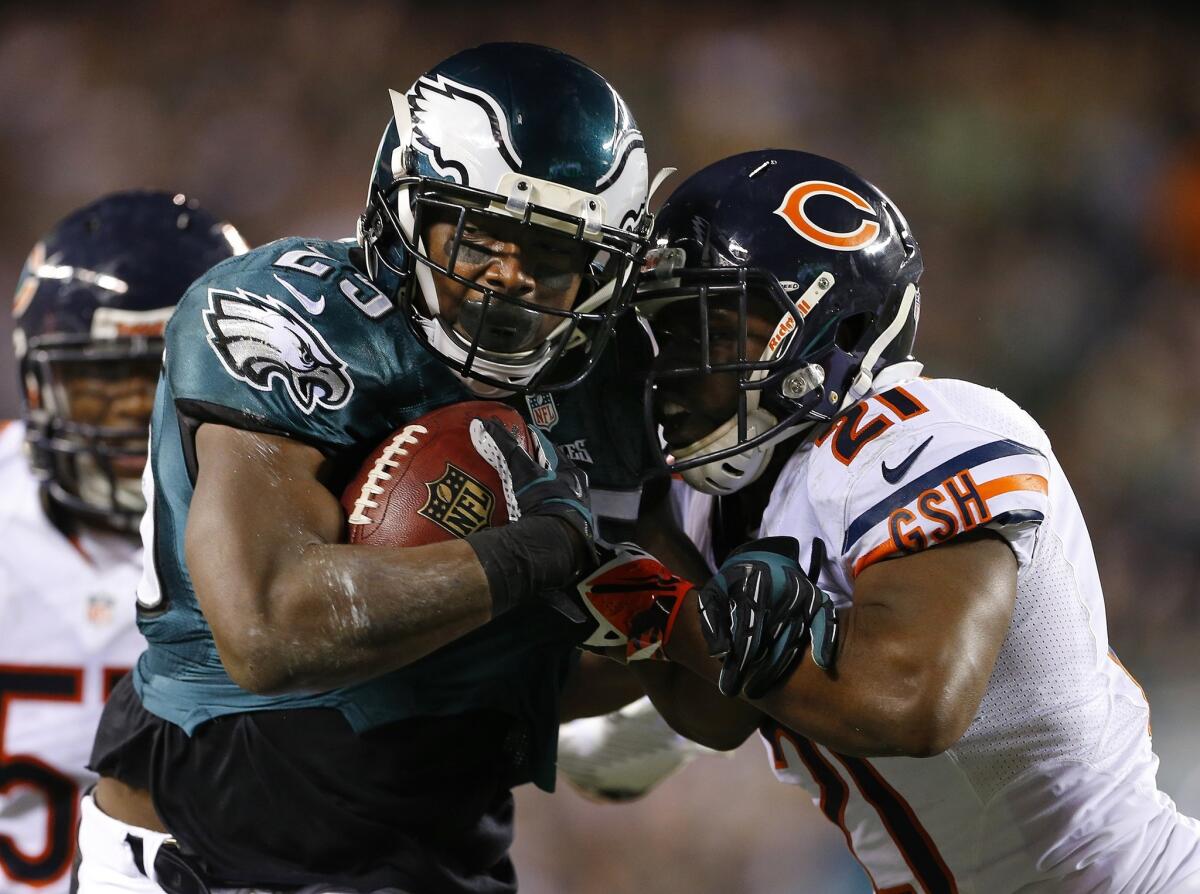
x=548 y=543
x=761 y=609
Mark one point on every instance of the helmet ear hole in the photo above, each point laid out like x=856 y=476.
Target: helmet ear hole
x=851 y=330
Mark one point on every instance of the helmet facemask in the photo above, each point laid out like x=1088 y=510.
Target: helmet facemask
x=500 y=339
x=707 y=308
x=782 y=390
x=89 y=404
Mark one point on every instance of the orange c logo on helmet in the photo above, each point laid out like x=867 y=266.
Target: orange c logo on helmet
x=792 y=210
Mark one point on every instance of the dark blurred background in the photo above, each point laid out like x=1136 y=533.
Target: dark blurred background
x=1048 y=162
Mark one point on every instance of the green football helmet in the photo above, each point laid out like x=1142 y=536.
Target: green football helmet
x=538 y=153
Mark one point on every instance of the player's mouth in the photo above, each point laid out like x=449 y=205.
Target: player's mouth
x=682 y=424
x=128 y=466
x=127 y=457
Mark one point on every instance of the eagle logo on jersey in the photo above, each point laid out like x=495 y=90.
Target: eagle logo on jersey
x=260 y=341
x=463 y=131
x=458 y=502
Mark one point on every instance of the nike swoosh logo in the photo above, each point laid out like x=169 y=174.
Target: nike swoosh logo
x=894 y=475
x=313 y=307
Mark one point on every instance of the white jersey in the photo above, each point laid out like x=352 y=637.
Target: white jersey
x=67 y=633
x=1052 y=787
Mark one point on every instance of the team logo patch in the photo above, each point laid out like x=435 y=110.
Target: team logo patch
x=542 y=410
x=458 y=503
x=261 y=341
x=792 y=209
x=100 y=609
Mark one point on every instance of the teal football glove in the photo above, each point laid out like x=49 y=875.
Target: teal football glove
x=761 y=609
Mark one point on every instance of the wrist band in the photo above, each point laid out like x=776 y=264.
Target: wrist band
x=526 y=558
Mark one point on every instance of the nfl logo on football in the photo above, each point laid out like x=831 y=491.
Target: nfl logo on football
x=542 y=410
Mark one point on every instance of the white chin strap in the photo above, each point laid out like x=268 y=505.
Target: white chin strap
x=726 y=476
x=515 y=373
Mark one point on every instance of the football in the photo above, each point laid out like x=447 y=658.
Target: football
x=426 y=482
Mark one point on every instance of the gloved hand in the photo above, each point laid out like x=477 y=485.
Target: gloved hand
x=635 y=599
x=548 y=543
x=760 y=609
x=547 y=483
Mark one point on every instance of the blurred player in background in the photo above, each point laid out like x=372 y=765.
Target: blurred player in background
x=937 y=673
x=310 y=712
x=625 y=754
x=90 y=309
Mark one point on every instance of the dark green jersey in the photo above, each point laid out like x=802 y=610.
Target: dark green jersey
x=293 y=339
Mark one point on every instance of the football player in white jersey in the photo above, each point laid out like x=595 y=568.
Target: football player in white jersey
x=90 y=306
x=906 y=604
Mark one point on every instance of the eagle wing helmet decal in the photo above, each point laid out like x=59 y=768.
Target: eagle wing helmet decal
x=463 y=132
x=259 y=339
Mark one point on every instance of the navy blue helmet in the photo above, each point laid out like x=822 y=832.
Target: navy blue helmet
x=529 y=145
x=803 y=243
x=90 y=307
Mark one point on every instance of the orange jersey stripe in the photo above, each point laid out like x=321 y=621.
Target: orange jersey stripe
x=1009 y=483
x=987 y=490
x=885 y=550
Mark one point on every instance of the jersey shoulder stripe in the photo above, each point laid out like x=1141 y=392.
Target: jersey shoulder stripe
x=916 y=465
x=935 y=476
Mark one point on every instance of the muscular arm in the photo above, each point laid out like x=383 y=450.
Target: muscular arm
x=689 y=702
x=290 y=607
x=597 y=686
x=917 y=650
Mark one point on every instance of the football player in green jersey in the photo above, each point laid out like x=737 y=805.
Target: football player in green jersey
x=310 y=712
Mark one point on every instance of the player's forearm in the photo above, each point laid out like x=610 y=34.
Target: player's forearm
x=874 y=704
x=335 y=614
x=597 y=686
x=693 y=707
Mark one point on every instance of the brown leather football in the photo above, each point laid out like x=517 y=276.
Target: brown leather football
x=426 y=482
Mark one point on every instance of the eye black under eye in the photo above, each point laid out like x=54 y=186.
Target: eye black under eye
x=555 y=279
x=467 y=253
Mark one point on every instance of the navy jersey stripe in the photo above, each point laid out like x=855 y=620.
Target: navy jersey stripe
x=1017 y=517
x=932 y=478
x=905 y=830
x=834 y=791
